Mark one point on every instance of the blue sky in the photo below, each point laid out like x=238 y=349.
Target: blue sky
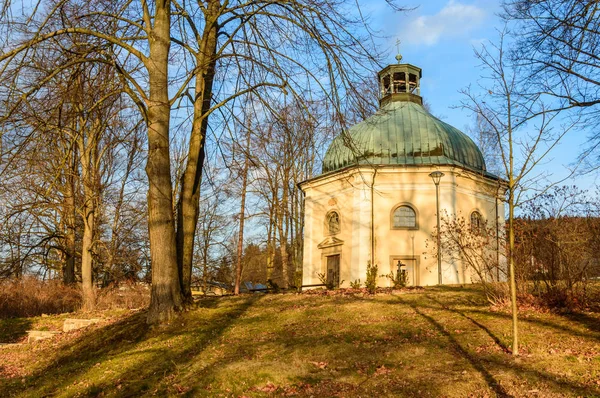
x=439 y=36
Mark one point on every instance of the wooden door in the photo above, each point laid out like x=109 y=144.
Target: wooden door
x=333 y=271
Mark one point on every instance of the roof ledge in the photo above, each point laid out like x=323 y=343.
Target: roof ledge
x=401 y=97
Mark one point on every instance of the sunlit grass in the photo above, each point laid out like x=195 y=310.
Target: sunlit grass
x=435 y=342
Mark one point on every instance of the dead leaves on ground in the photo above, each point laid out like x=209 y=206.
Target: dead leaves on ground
x=320 y=365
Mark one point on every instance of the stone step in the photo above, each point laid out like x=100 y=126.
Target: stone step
x=35 y=335
x=74 y=324
x=10 y=345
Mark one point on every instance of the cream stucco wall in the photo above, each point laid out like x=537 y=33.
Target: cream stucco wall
x=355 y=197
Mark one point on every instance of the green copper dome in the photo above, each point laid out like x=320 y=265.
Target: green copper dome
x=403 y=133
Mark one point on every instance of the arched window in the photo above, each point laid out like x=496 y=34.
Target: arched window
x=476 y=222
x=333 y=223
x=404 y=217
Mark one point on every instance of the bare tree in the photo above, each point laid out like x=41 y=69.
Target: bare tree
x=487 y=143
x=123 y=211
x=90 y=120
x=213 y=232
x=266 y=47
x=261 y=48
x=242 y=214
x=523 y=129
x=557 y=245
x=474 y=247
x=83 y=108
x=558 y=47
x=138 y=36
x=287 y=152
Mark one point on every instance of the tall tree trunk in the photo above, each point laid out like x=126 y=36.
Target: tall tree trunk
x=89 y=299
x=166 y=297
x=282 y=228
x=512 y=282
x=270 y=249
x=284 y=255
x=292 y=231
x=205 y=247
x=511 y=232
x=273 y=221
x=188 y=204
x=69 y=217
x=298 y=239
x=87 y=149
x=87 y=142
x=240 y=243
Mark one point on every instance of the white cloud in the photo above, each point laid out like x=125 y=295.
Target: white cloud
x=454 y=20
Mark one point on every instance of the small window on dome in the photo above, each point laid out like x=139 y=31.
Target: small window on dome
x=404 y=217
x=333 y=223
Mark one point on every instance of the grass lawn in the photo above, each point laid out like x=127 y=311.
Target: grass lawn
x=438 y=342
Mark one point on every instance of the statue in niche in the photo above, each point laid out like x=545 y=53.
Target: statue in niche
x=333 y=223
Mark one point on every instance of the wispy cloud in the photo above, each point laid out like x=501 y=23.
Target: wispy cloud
x=454 y=20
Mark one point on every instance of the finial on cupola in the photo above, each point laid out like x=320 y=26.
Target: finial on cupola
x=398 y=56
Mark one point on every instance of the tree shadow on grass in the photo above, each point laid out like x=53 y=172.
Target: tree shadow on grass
x=582 y=319
x=128 y=358
x=562 y=386
x=495 y=338
x=207 y=301
x=589 y=322
x=350 y=367
x=75 y=356
x=488 y=377
x=510 y=366
x=12 y=330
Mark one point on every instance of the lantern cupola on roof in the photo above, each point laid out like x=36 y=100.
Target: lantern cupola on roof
x=400 y=82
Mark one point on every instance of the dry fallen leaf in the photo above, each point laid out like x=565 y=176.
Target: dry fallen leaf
x=382 y=370
x=320 y=365
x=269 y=387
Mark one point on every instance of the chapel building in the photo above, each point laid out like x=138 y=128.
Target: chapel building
x=375 y=201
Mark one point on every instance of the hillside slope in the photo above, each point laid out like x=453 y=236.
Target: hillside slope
x=431 y=342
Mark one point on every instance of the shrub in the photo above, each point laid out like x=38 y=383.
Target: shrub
x=497 y=293
x=31 y=297
x=323 y=279
x=355 y=285
x=273 y=286
x=298 y=280
x=371 y=281
x=399 y=280
x=124 y=296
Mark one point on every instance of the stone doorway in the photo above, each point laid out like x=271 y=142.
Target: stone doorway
x=333 y=270
x=408 y=265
